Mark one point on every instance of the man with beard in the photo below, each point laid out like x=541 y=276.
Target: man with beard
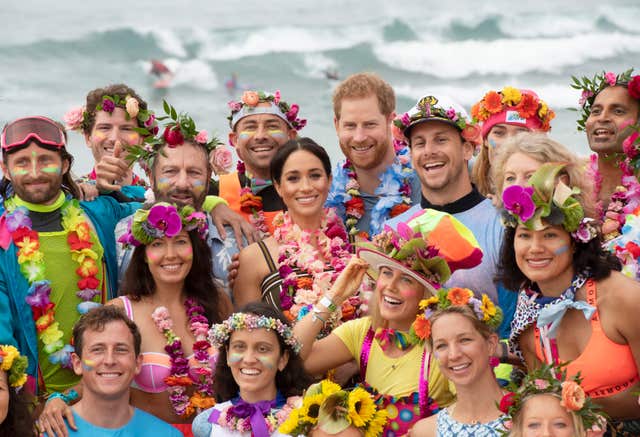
x=375 y=181
x=57 y=254
x=260 y=123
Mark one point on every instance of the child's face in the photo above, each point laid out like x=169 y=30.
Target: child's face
x=543 y=415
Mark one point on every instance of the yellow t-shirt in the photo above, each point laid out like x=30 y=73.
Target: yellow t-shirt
x=397 y=377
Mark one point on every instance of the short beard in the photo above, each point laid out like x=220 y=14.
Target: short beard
x=40 y=198
x=166 y=197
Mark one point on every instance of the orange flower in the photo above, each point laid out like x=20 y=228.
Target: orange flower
x=573 y=396
x=290 y=317
x=348 y=311
x=249 y=202
x=44 y=321
x=493 y=102
x=200 y=401
x=459 y=296
x=422 y=327
x=87 y=268
x=528 y=106
x=83 y=231
x=305 y=282
x=399 y=209
x=250 y=98
x=184 y=381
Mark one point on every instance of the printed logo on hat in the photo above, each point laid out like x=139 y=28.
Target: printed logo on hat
x=514 y=117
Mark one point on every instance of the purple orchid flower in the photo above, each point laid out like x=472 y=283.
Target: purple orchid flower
x=165 y=218
x=519 y=202
x=19 y=218
x=38 y=294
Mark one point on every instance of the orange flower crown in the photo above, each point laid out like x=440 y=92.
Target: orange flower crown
x=551 y=380
x=484 y=309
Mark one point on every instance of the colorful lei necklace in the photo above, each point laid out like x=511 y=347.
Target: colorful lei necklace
x=32 y=266
x=394 y=192
x=252 y=204
x=180 y=378
x=231 y=418
x=299 y=294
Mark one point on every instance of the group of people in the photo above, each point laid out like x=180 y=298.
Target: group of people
x=453 y=275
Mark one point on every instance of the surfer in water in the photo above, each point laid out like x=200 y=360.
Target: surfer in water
x=160 y=70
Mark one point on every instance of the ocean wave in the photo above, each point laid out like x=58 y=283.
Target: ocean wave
x=459 y=59
x=194 y=73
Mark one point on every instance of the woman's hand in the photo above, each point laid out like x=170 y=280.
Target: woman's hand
x=348 y=281
x=51 y=419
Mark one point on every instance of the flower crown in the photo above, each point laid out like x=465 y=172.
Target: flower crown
x=326 y=405
x=249 y=102
x=428 y=108
x=484 y=309
x=551 y=380
x=546 y=199
x=77 y=119
x=14 y=364
x=163 y=220
x=526 y=104
x=219 y=334
x=591 y=87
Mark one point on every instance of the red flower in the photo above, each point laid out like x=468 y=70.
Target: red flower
x=76 y=243
x=40 y=311
x=173 y=136
x=528 y=106
x=493 y=102
x=22 y=232
x=634 y=87
x=507 y=401
x=355 y=207
x=90 y=282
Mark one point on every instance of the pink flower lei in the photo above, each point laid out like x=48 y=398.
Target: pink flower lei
x=273 y=420
x=180 y=377
x=299 y=294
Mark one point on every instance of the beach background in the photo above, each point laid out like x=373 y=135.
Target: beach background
x=53 y=53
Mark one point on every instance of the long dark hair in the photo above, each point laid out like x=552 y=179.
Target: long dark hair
x=587 y=256
x=19 y=420
x=291 y=381
x=304 y=143
x=198 y=284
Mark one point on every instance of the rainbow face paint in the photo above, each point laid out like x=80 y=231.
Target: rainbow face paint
x=163 y=184
x=52 y=169
x=561 y=250
x=234 y=357
x=17 y=171
x=267 y=362
x=492 y=143
x=198 y=186
x=88 y=364
x=245 y=135
x=276 y=133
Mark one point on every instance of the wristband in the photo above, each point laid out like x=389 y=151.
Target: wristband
x=316 y=316
x=328 y=304
x=210 y=202
x=71 y=396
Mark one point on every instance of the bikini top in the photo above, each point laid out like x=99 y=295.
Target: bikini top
x=156 y=366
x=606 y=367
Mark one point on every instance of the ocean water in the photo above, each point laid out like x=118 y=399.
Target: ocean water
x=52 y=54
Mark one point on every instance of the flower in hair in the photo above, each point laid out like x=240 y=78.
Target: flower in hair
x=518 y=201
x=14 y=364
x=251 y=99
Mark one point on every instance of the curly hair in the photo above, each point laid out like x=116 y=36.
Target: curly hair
x=19 y=420
x=198 y=284
x=587 y=256
x=94 y=98
x=362 y=85
x=291 y=381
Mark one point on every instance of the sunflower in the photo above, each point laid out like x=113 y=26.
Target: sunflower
x=311 y=407
x=377 y=424
x=361 y=407
x=488 y=308
x=424 y=303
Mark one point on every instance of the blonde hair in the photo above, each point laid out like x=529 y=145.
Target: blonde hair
x=543 y=149
x=481 y=171
x=464 y=310
x=362 y=85
x=517 y=428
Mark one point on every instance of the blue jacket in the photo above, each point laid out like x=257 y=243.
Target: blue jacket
x=16 y=319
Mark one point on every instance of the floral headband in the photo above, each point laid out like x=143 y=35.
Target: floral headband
x=591 y=87
x=77 y=119
x=163 y=220
x=219 y=334
x=551 y=380
x=518 y=106
x=179 y=129
x=484 y=309
x=333 y=409
x=248 y=105
x=428 y=108
x=547 y=199
x=14 y=364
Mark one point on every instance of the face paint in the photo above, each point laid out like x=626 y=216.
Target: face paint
x=163 y=184
x=98 y=135
x=131 y=138
x=276 y=133
x=561 y=250
x=198 y=186
x=244 y=135
x=266 y=362
x=187 y=253
x=34 y=164
x=235 y=357
x=492 y=143
x=153 y=257
x=88 y=364
x=408 y=293
x=52 y=169
x=19 y=171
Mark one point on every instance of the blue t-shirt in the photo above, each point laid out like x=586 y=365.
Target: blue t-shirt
x=141 y=424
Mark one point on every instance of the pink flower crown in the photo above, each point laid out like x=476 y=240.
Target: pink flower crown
x=248 y=105
x=219 y=334
x=163 y=220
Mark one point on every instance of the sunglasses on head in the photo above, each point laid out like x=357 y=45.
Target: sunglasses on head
x=24 y=130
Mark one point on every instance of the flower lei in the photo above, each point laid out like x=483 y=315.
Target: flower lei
x=273 y=420
x=220 y=333
x=32 y=266
x=251 y=99
x=334 y=409
x=14 y=364
x=180 y=378
x=299 y=294
x=527 y=105
x=252 y=204
x=590 y=88
x=550 y=380
x=394 y=192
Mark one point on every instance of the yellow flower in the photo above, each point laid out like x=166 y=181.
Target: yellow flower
x=80 y=256
x=377 y=424
x=311 y=407
x=424 y=303
x=488 y=308
x=329 y=387
x=289 y=425
x=511 y=96
x=20 y=382
x=52 y=334
x=8 y=354
x=361 y=407
x=543 y=110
